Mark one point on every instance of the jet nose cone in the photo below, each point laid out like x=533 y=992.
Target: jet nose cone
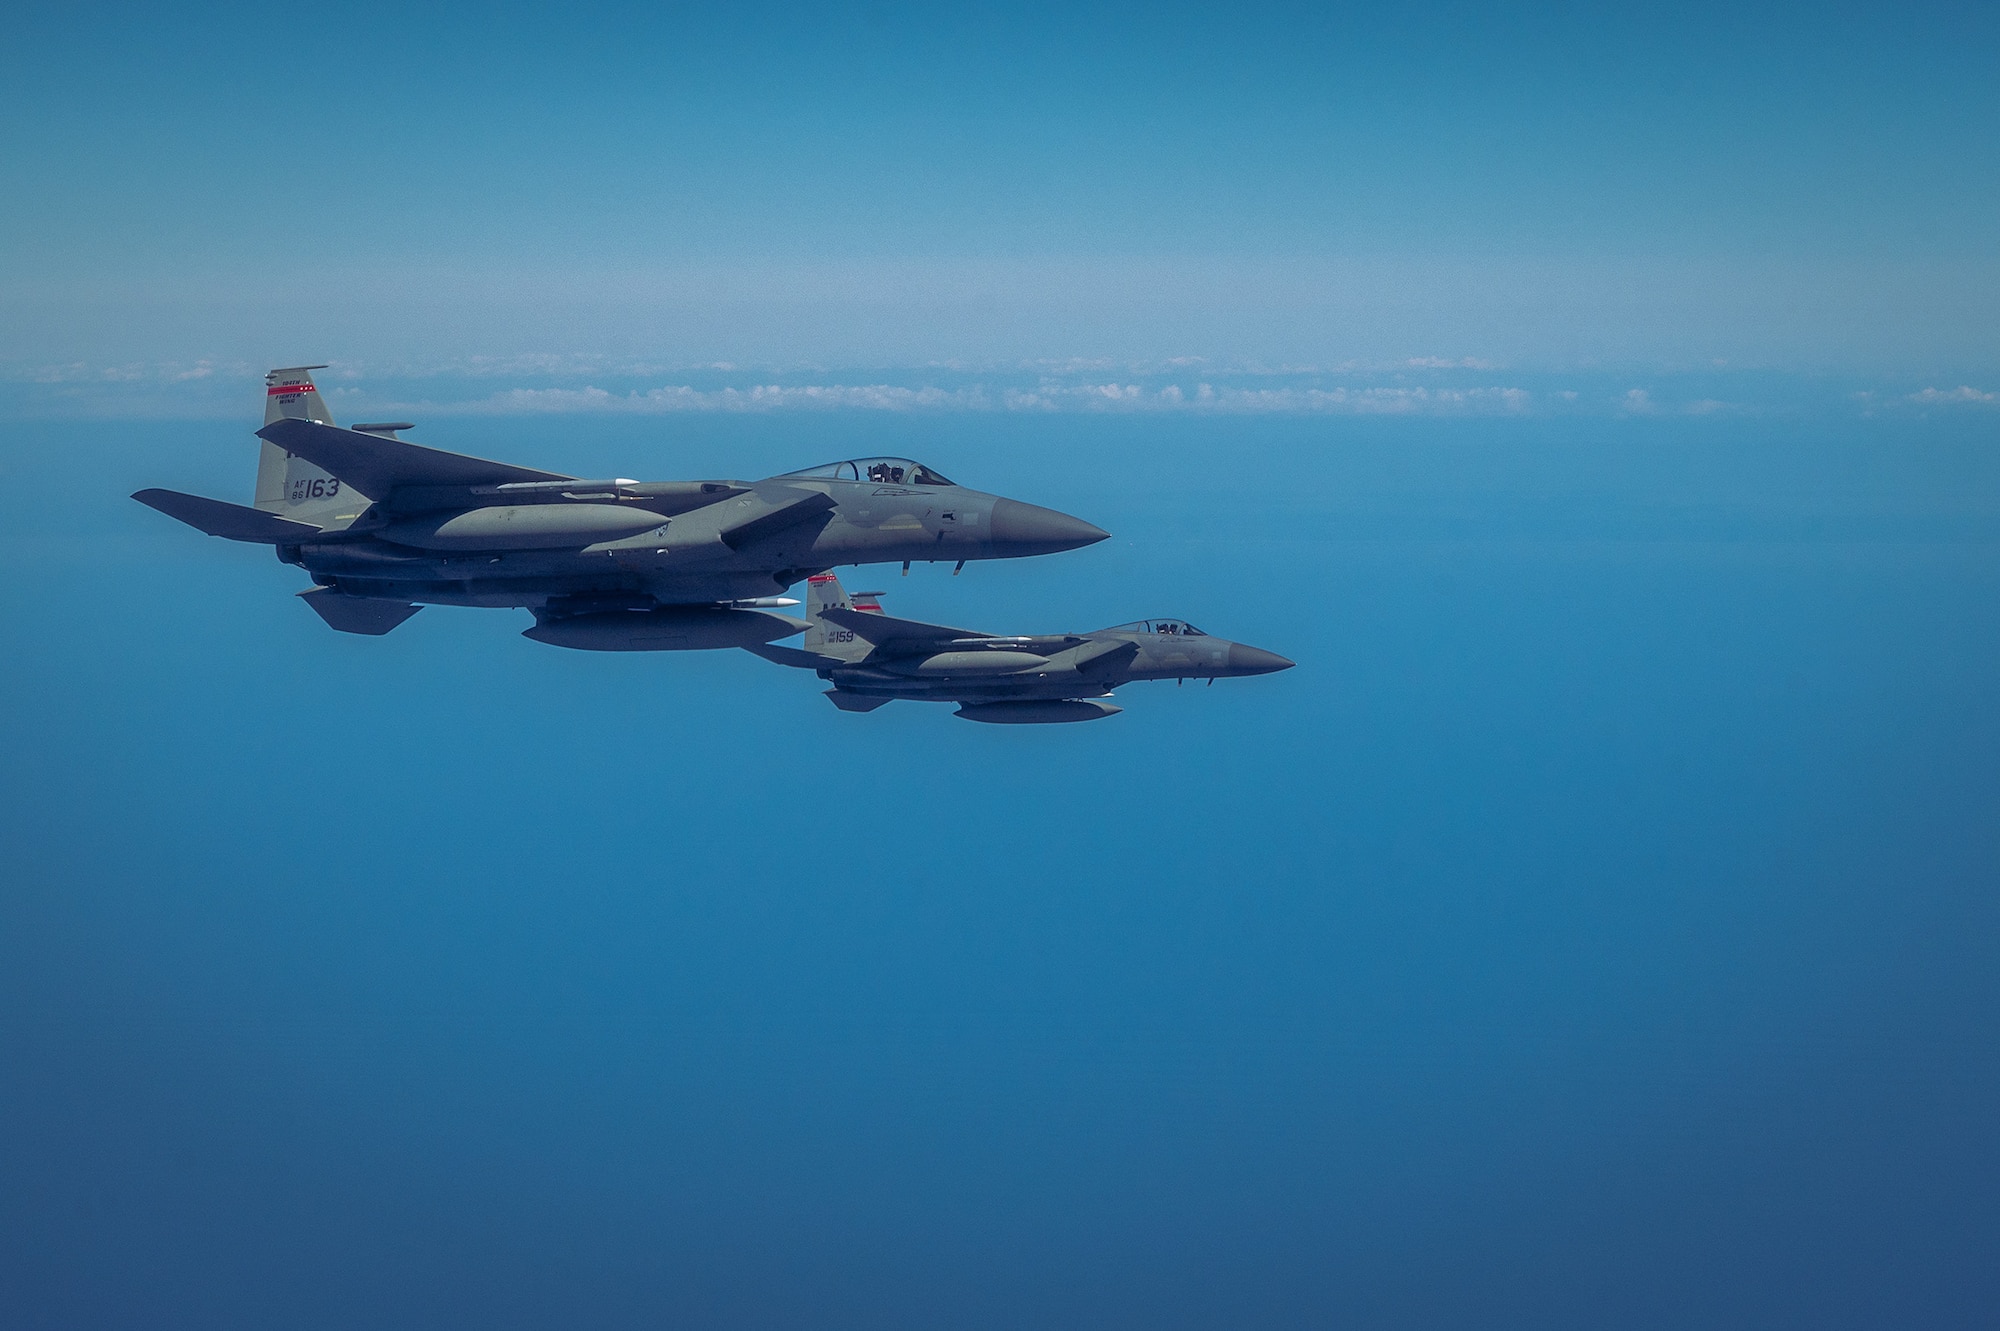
x=1255 y=660
x=1025 y=529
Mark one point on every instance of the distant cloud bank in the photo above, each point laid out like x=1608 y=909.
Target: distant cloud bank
x=1429 y=386
x=1049 y=397
x=1960 y=396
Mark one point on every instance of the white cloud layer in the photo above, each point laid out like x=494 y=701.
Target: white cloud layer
x=1963 y=395
x=1047 y=397
x=1420 y=387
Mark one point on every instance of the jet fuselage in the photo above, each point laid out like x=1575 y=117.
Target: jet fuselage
x=1073 y=666
x=582 y=545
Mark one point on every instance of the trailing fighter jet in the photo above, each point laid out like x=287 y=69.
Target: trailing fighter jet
x=385 y=527
x=871 y=658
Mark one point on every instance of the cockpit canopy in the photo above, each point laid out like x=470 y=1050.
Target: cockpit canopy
x=1178 y=628
x=882 y=471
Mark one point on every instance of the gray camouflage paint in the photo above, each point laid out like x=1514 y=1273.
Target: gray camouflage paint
x=871 y=659
x=383 y=525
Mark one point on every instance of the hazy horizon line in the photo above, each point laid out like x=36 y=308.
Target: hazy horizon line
x=1429 y=386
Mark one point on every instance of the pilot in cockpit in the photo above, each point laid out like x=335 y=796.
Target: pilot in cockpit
x=886 y=473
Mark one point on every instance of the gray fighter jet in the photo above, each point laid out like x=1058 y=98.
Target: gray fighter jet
x=871 y=658
x=385 y=526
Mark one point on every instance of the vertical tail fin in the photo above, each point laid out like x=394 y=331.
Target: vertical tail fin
x=292 y=394
x=290 y=486
x=828 y=639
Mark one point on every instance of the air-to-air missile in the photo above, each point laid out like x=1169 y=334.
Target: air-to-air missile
x=385 y=526
x=872 y=658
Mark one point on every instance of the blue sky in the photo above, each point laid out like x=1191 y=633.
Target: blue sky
x=1807 y=189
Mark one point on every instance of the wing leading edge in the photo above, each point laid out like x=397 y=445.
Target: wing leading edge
x=884 y=630
x=376 y=464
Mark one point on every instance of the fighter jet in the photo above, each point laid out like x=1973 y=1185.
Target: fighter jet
x=871 y=659
x=385 y=527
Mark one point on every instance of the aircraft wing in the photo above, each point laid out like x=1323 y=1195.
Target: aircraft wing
x=376 y=465
x=778 y=507
x=886 y=630
x=1105 y=656
x=230 y=521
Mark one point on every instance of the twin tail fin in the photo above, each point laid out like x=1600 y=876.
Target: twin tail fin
x=288 y=485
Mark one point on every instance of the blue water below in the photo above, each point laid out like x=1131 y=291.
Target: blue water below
x=1597 y=928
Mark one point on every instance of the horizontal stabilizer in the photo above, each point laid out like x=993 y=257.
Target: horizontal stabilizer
x=376 y=464
x=855 y=702
x=230 y=521
x=357 y=614
x=787 y=656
